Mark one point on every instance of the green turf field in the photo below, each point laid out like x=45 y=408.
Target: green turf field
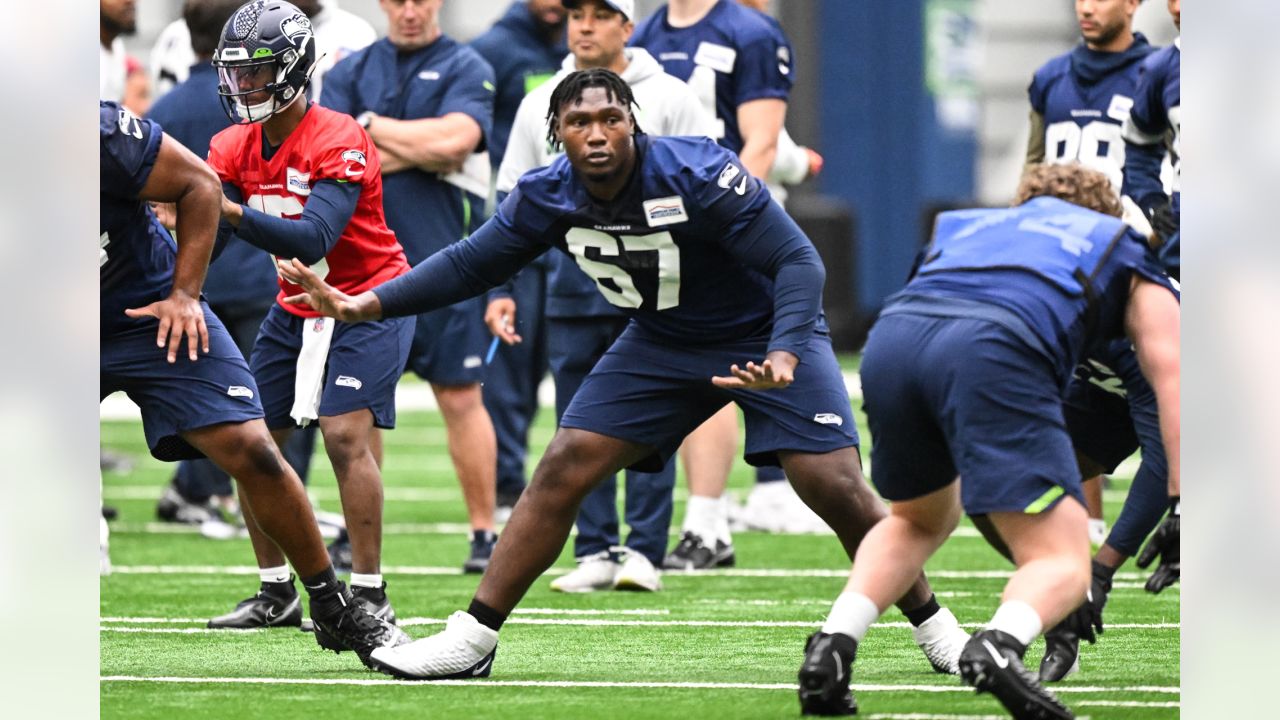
x=709 y=646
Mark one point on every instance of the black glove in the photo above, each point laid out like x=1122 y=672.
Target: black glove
x=1165 y=542
x=1163 y=221
x=1085 y=622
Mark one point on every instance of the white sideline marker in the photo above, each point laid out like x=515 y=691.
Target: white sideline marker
x=603 y=684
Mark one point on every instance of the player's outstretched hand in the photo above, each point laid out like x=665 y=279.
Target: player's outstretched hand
x=1165 y=543
x=777 y=371
x=179 y=314
x=326 y=299
x=500 y=316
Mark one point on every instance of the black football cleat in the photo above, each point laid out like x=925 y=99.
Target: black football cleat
x=824 y=676
x=992 y=662
x=274 y=605
x=342 y=623
x=691 y=553
x=375 y=602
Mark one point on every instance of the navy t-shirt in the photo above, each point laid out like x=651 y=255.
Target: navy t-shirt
x=1157 y=110
x=731 y=56
x=136 y=254
x=444 y=77
x=692 y=248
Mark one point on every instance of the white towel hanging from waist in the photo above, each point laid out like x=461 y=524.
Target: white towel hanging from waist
x=308 y=382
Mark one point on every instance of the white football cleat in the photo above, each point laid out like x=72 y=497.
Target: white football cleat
x=104 y=547
x=594 y=572
x=942 y=640
x=637 y=573
x=463 y=650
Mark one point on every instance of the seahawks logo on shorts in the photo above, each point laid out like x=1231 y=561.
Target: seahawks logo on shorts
x=828 y=419
x=240 y=391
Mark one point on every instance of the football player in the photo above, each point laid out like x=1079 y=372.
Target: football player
x=679 y=236
x=202 y=402
x=303 y=181
x=427 y=103
x=962 y=376
x=1154 y=127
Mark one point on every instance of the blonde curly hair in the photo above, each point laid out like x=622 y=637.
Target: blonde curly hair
x=1076 y=184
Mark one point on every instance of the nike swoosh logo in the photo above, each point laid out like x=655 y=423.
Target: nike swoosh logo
x=1001 y=661
x=482 y=666
x=839 y=667
x=271 y=614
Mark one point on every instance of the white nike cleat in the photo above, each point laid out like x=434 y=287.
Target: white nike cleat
x=464 y=649
x=942 y=640
x=594 y=572
x=637 y=573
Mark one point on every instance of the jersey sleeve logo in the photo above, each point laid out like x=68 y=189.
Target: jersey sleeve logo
x=665 y=211
x=355 y=162
x=727 y=175
x=129 y=124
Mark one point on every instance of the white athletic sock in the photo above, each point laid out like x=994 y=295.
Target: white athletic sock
x=1018 y=619
x=700 y=518
x=372 y=580
x=722 y=521
x=851 y=614
x=274 y=574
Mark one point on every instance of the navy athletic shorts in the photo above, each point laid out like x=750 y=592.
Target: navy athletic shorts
x=653 y=392
x=216 y=388
x=449 y=344
x=365 y=360
x=954 y=396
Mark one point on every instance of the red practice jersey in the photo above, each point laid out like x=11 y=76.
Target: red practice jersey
x=326 y=145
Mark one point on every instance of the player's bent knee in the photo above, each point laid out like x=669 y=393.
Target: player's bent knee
x=259 y=459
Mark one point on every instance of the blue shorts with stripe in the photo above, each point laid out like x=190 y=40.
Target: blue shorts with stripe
x=948 y=396
x=653 y=392
x=364 y=365
x=183 y=395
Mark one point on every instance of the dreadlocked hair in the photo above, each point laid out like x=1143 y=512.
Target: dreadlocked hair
x=1074 y=183
x=570 y=90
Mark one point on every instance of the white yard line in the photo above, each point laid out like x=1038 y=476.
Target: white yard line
x=579 y=621
x=733 y=572
x=600 y=684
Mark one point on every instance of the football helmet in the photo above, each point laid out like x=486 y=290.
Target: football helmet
x=265 y=58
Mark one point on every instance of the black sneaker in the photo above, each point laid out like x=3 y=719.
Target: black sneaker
x=340 y=553
x=1061 y=654
x=824 y=676
x=375 y=602
x=693 y=554
x=482 y=543
x=992 y=662
x=274 y=605
x=342 y=623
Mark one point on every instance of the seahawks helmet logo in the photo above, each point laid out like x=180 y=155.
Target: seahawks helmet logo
x=297 y=28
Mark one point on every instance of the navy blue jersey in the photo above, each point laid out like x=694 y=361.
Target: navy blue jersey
x=192 y=114
x=1084 y=97
x=693 y=248
x=136 y=254
x=523 y=57
x=1157 y=111
x=444 y=77
x=731 y=56
x=1061 y=270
